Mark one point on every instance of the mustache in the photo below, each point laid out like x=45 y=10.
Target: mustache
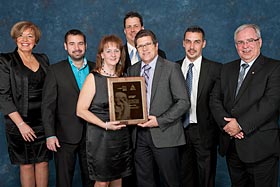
x=77 y=51
x=192 y=50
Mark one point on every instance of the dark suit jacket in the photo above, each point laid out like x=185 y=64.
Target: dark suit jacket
x=208 y=129
x=127 y=58
x=60 y=95
x=14 y=85
x=255 y=108
x=169 y=101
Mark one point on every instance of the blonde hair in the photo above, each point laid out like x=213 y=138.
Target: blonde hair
x=21 y=26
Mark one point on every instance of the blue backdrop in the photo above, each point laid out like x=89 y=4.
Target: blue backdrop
x=168 y=19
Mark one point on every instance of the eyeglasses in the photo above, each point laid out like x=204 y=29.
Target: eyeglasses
x=144 y=45
x=248 y=41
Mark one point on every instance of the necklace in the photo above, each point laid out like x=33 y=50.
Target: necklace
x=109 y=74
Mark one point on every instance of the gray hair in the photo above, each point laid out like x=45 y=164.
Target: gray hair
x=244 y=26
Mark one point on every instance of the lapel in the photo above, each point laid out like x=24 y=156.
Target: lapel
x=232 y=76
x=157 y=74
x=204 y=70
x=70 y=75
x=256 y=67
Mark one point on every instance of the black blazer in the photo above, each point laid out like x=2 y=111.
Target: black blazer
x=127 y=58
x=14 y=85
x=208 y=129
x=60 y=95
x=255 y=108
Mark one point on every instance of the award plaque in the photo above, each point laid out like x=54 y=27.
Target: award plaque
x=127 y=100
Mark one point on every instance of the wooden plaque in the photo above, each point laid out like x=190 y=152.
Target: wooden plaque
x=127 y=100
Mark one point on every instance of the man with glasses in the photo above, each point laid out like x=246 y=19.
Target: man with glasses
x=157 y=141
x=245 y=103
x=133 y=23
x=199 y=155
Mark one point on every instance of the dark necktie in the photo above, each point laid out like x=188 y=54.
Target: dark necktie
x=241 y=77
x=189 y=78
x=146 y=74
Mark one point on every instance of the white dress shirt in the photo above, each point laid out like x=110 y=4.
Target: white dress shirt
x=193 y=98
x=134 y=58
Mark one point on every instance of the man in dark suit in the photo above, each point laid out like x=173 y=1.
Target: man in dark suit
x=245 y=104
x=65 y=132
x=133 y=23
x=158 y=139
x=199 y=155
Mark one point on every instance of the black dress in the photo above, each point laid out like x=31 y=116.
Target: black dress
x=24 y=152
x=109 y=153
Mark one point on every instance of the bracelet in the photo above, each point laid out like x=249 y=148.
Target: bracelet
x=20 y=124
x=106 y=124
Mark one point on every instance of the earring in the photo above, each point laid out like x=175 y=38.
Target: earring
x=120 y=62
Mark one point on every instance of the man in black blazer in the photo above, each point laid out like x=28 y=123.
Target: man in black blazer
x=65 y=132
x=133 y=23
x=245 y=103
x=199 y=155
x=158 y=139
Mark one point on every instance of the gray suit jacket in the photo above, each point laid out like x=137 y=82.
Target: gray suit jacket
x=169 y=101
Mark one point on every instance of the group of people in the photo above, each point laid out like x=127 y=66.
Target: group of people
x=193 y=105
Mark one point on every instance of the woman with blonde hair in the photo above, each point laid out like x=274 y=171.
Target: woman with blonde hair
x=22 y=75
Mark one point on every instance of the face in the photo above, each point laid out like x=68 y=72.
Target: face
x=132 y=27
x=26 y=41
x=75 y=46
x=147 y=49
x=193 y=44
x=247 y=44
x=111 y=54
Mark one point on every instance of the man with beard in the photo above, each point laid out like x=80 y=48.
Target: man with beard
x=199 y=155
x=65 y=131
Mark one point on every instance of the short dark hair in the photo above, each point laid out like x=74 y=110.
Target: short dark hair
x=74 y=32
x=132 y=14
x=143 y=33
x=197 y=29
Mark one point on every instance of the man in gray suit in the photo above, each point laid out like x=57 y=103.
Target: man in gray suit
x=158 y=139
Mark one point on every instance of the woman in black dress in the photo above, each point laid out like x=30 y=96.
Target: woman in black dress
x=109 y=152
x=22 y=75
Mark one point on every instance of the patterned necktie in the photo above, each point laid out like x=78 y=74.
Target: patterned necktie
x=241 y=77
x=189 y=78
x=146 y=75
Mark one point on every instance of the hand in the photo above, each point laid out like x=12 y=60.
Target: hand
x=52 y=143
x=151 y=123
x=240 y=135
x=232 y=127
x=27 y=132
x=114 y=125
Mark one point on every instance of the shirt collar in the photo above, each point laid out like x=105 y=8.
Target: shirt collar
x=72 y=63
x=196 y=63
x=152 y=64
x=130 y=48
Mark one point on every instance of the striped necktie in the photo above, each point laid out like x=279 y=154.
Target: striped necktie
x=241 y=77
x=146 y=74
